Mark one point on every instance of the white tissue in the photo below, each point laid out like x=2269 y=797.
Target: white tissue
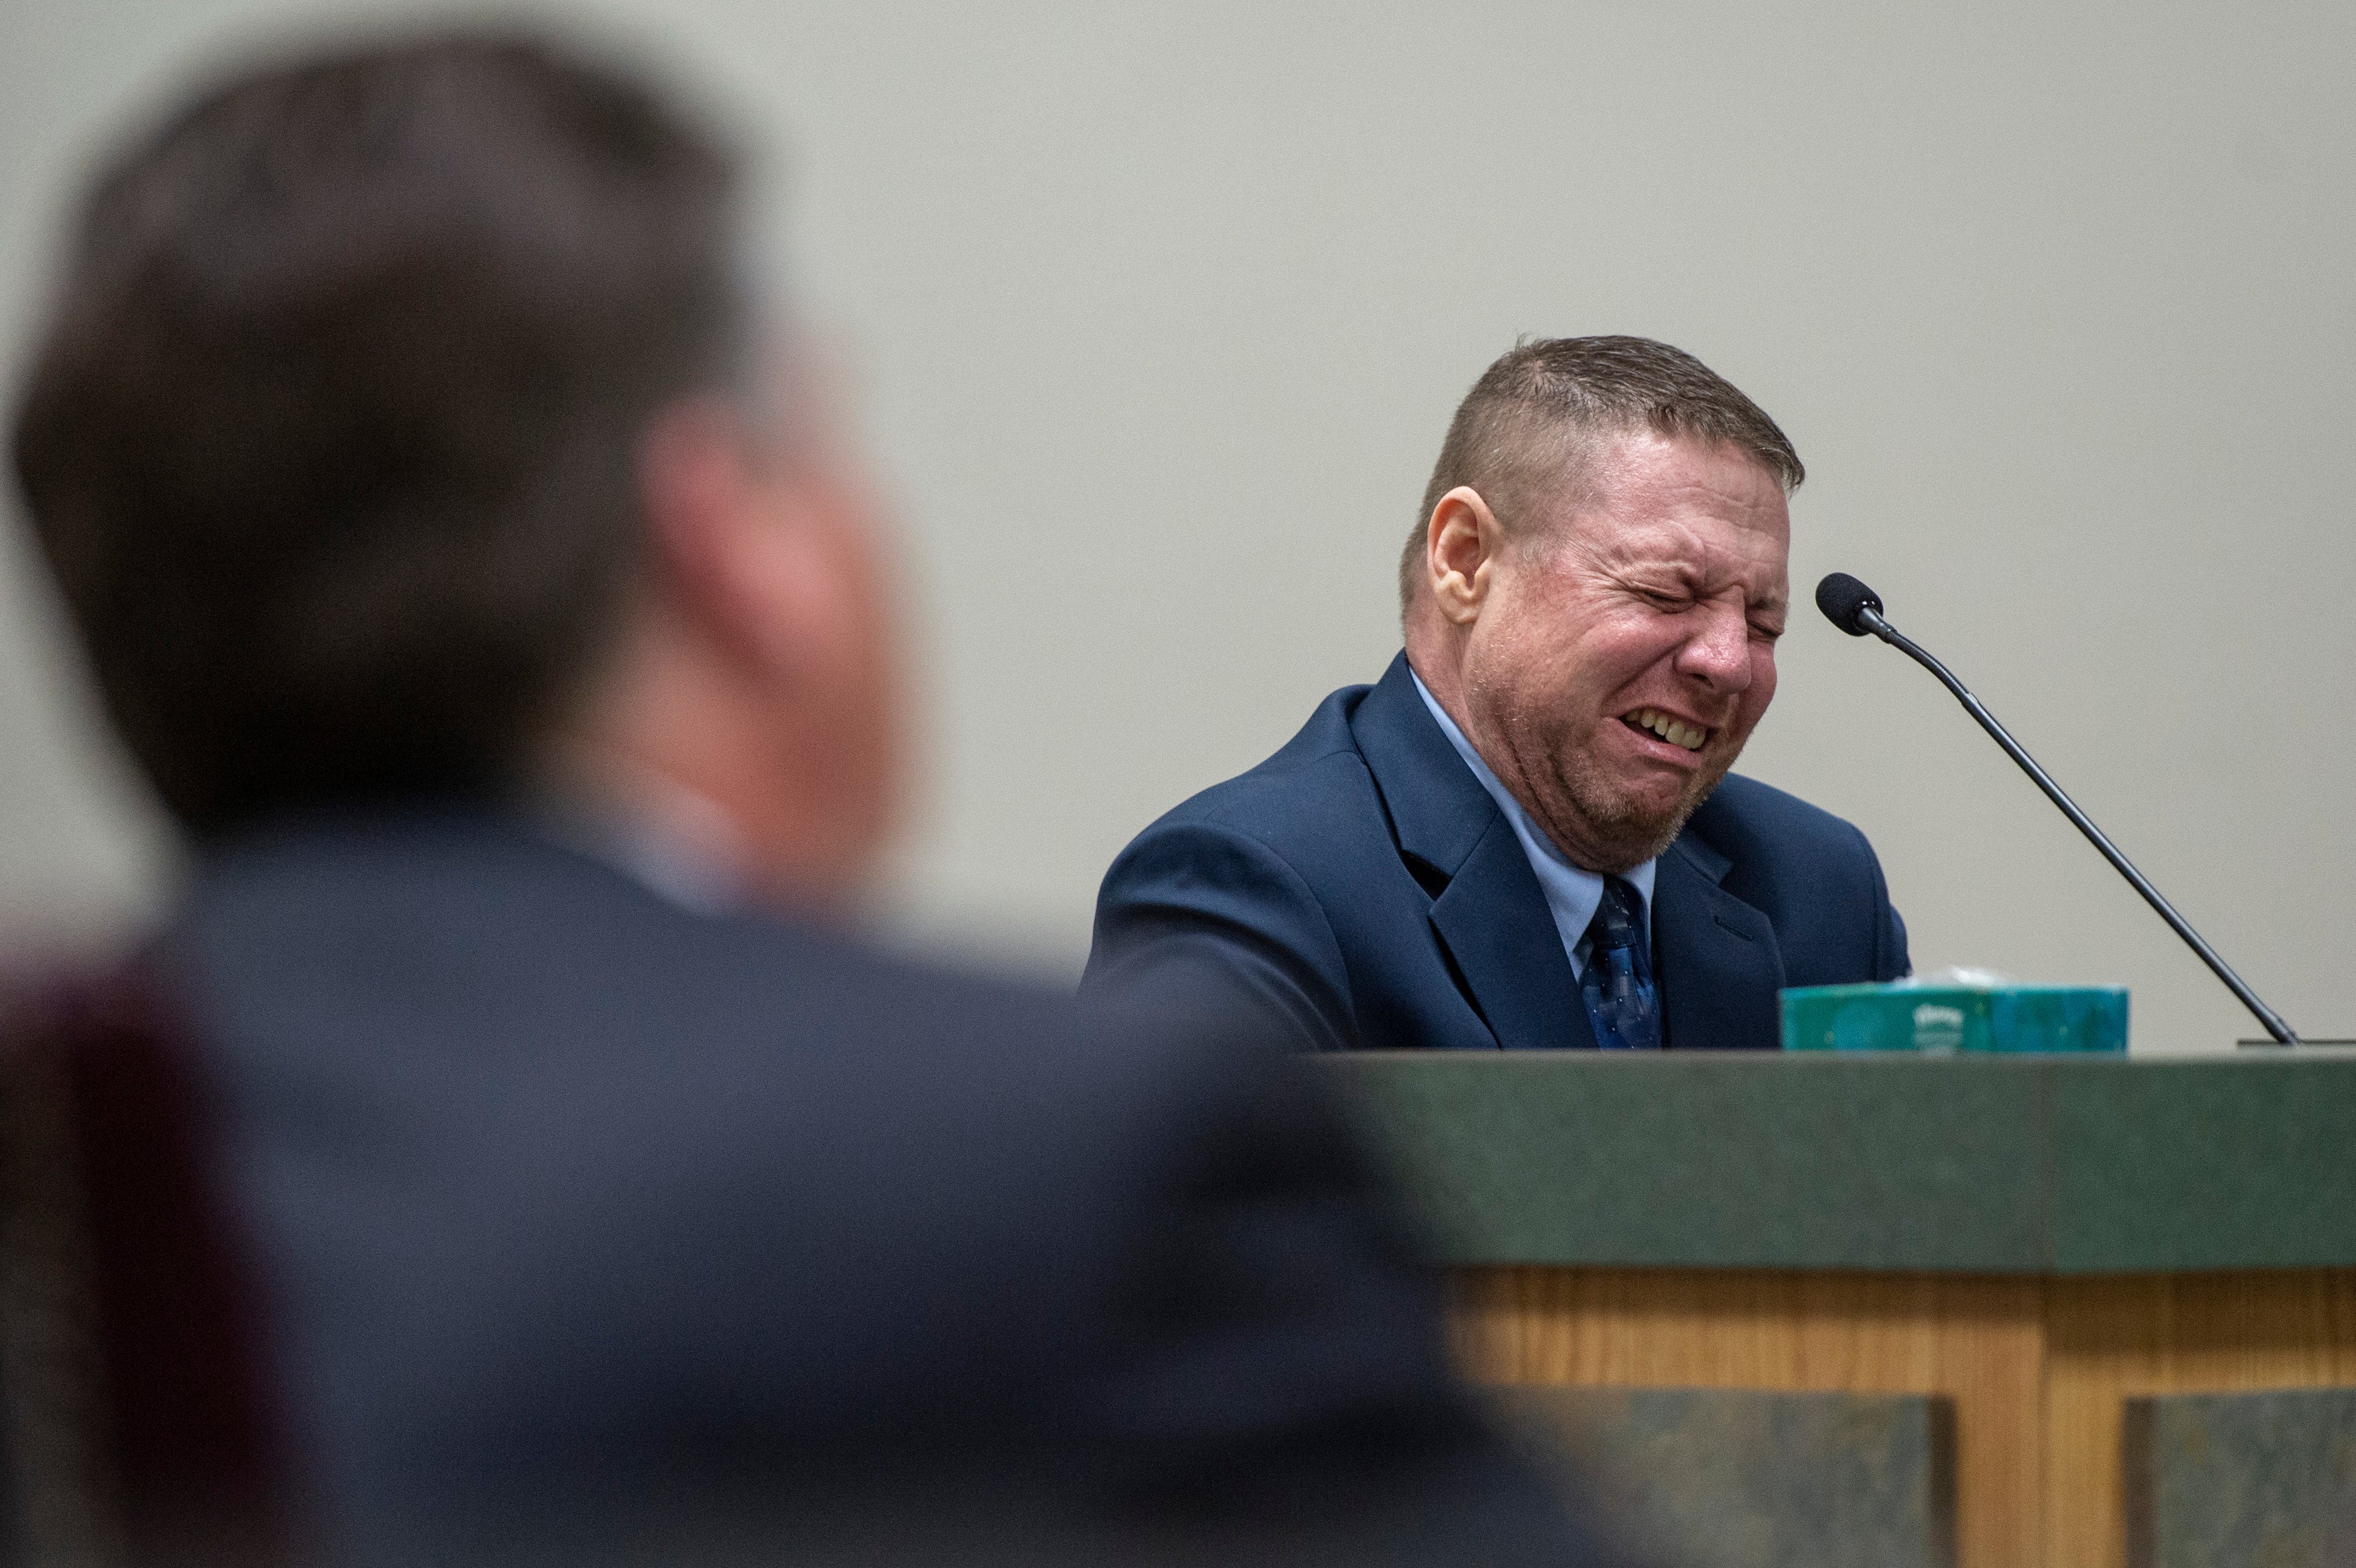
x=1960 y=977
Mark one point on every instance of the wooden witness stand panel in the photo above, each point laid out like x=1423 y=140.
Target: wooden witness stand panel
x=2037 y=1239
x=2038 y=1368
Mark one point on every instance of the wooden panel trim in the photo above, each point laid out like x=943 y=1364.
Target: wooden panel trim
x=2038 y=1367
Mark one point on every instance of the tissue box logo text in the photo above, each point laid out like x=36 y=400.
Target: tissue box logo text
x=1938 y=1028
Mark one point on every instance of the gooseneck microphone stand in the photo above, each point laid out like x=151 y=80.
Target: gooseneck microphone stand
x=1856 y=610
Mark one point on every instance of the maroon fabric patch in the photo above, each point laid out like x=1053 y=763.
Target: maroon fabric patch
x=196 y=1444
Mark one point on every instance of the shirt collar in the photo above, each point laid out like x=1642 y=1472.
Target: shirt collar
x=662 y=835
x=1572 y=892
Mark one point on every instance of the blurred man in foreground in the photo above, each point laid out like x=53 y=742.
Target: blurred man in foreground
x=1525 y=835
x=496 y=1157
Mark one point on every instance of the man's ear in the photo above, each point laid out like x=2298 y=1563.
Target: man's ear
x=695 y=493
x=740 y=549
x=769 y=566
x=1461 y=544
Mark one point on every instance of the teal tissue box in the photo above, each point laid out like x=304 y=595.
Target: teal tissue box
x=1956 y=1018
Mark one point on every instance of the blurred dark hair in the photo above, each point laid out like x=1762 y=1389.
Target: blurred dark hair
x=330 y=437
x=1523 y=429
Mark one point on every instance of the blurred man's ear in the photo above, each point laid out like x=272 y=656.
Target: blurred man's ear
x=766 y=553
x=727 y=539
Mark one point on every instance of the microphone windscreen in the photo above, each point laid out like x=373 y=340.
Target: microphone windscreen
x=1840 y=597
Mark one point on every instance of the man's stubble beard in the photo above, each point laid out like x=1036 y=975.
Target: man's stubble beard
x=1616 y=828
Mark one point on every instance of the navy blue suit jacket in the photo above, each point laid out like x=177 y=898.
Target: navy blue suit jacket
x=1363 y=885
x=554 y=1204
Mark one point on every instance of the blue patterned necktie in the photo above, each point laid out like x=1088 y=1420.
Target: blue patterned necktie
x=1621 y=1001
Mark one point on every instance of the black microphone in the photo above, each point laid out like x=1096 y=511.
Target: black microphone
x=1842 y=598
x=1856 y=610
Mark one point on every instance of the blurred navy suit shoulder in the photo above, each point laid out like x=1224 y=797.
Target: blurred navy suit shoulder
x=1363 y=887
x=561 y=1193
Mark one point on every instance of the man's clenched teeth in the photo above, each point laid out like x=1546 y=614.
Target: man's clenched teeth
x=1670 y=730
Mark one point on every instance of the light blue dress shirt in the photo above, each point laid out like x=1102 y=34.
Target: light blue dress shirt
x=1572 y=892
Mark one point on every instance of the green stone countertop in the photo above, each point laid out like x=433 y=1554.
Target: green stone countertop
x=1955 y=1163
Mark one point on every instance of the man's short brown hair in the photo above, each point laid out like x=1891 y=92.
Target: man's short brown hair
x=330 y=438
x=1522 y=432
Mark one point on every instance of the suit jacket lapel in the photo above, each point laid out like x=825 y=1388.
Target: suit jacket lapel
x=1492 y=916
x=1714 y=956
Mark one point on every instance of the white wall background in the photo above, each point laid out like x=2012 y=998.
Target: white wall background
x=1159 y=313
